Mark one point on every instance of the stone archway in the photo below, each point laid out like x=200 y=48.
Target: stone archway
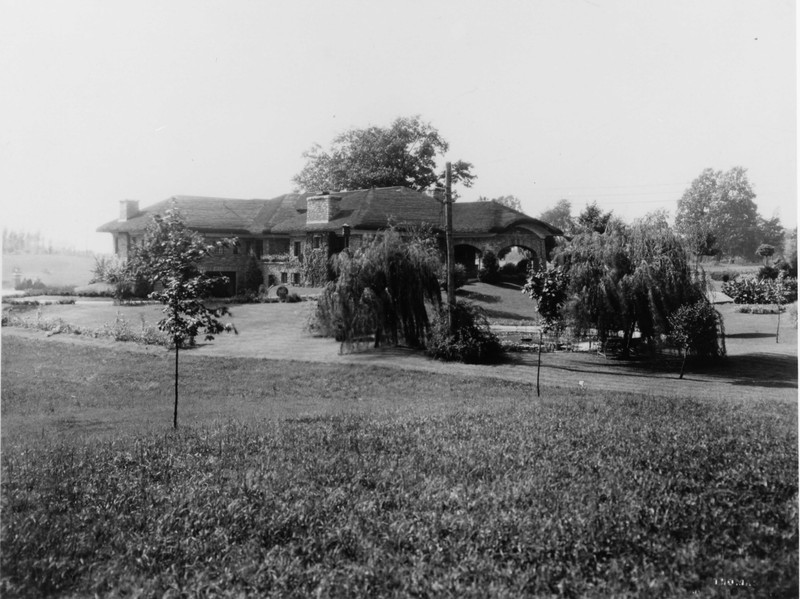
x=529 y=253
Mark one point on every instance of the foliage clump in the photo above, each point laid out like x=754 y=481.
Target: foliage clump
x=127 y=283
x=696 y=329
x=253 y=275
x=29 y=284
x=549 y=286
x=490 y=268
x=381 y=289
x=471 y=341
x=755 y=290
x=718 y=214
x=460 y=277
x=628 y=279
x=402 y=154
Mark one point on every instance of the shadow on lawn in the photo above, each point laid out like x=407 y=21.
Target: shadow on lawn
x=775 y=371
x=756 y=370
x=506 y=315
x=478 y=297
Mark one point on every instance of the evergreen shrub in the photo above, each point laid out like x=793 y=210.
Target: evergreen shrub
x=490 y=268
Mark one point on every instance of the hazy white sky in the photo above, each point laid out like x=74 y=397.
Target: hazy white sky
x=623 y=102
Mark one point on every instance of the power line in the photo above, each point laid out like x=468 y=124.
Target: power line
x=617 y=186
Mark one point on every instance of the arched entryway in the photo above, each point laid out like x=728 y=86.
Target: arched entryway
x=517 y=259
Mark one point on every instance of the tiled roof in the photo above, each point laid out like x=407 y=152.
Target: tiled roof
x=361 y=209
x=201 y=213
x=491 y=217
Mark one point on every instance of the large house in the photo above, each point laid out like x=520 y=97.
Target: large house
x=284 y=233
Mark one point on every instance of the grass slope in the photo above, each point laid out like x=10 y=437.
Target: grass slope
x=52 y=269
x=312 y=479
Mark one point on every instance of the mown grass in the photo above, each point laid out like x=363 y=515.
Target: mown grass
x=361 y=481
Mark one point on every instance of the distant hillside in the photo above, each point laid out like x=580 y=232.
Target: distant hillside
x=51 y=269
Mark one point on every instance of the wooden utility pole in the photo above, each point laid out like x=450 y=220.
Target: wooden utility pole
x=448 y=215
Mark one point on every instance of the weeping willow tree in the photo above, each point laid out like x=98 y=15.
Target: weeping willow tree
x=381 y=289
x=627 y=279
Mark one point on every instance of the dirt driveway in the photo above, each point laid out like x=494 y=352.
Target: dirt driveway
x=756 y=367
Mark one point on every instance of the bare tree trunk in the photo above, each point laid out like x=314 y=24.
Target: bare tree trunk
x=539 y=366
x=175 y=412
x=778 y=330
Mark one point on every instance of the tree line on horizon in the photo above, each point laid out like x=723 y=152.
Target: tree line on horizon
x=26 y=242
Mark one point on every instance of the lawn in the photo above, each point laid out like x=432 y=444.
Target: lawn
x=316 y=479
x=298 y=471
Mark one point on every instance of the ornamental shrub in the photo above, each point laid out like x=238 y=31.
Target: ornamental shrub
x=253 y=275
x=697 y=329
x=761 y=291
x=548 y=286
x=490 y=268
x=768 y=272
x=471 y=341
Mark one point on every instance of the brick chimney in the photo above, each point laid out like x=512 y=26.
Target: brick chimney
x=322 y=208
x=128 y=209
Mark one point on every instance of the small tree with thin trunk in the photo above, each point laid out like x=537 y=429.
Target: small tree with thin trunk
x=168 y=258
x=697 y=328
x=778 y=296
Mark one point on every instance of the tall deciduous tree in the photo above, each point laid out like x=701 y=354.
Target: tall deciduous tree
x=404 y=153
x=508 y=201
x=594 y=219
x=559 y=216
x=771 y=231
x=721 y=204
x=168 y=258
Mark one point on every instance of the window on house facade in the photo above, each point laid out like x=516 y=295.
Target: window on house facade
x=316 y=241
x=298 y=248
x=284 y=277
x=259 y=248
x=295 y=278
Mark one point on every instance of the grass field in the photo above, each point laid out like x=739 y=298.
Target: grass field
x=387 y=474
x=300 y=479
x=52 y=269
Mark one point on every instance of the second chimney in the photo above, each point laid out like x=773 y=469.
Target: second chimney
x=322 y=208
x=128 y=209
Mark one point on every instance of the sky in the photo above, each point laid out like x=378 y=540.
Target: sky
x=620 y=102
